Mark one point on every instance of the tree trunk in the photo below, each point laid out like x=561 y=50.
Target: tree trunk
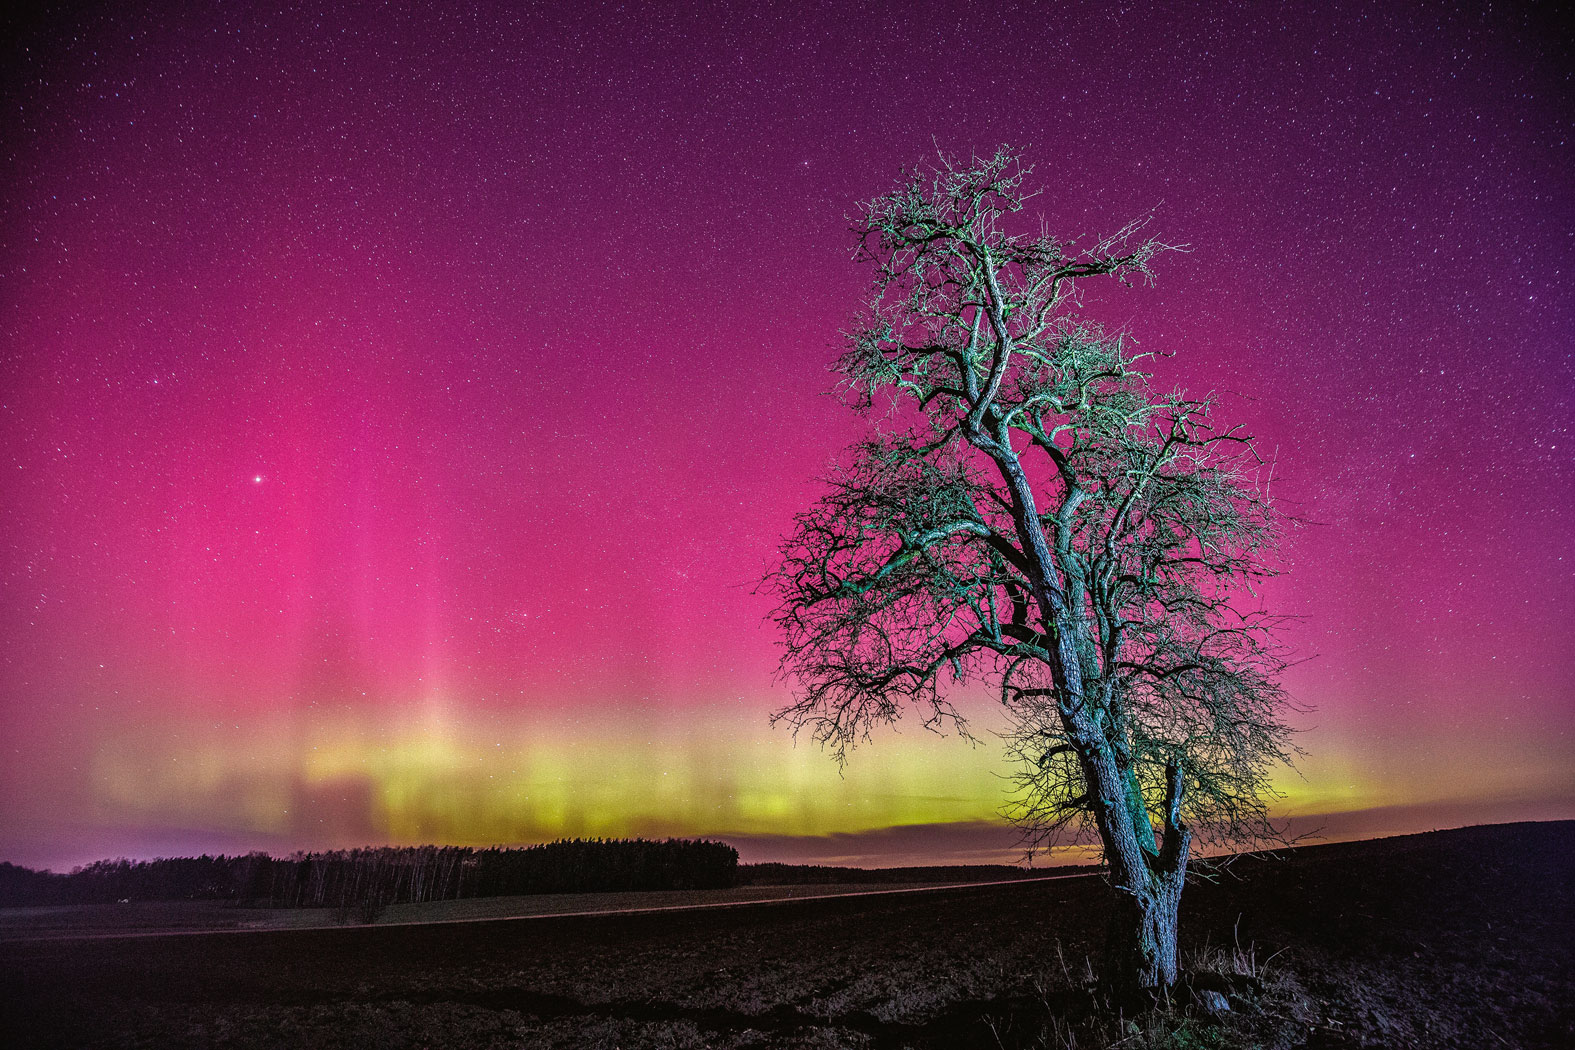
x=1141 y=945
x=1141 y=948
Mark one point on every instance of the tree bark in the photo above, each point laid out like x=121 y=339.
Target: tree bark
x=1146 y=883
x=1141 y=948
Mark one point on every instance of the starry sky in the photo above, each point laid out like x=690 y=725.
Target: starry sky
x=399 y=406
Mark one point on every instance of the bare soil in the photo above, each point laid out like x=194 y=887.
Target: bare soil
x=1451 y=939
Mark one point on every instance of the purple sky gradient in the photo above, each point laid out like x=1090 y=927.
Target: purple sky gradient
x=398 y=406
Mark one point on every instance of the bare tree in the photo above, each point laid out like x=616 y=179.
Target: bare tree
x=1030 y=512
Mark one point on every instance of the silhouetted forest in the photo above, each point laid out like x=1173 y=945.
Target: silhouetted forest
x=368 y=879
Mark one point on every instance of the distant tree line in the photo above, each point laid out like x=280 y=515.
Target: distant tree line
x=366 y=880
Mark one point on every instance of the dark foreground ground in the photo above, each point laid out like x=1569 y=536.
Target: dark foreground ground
x=1451 y=939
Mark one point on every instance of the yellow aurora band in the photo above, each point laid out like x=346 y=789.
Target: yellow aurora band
x=430 y=771
x=424 y=774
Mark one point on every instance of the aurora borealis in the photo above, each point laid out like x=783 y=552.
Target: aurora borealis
x=399 y=407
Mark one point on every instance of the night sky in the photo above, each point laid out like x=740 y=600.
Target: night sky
x=399 y=407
